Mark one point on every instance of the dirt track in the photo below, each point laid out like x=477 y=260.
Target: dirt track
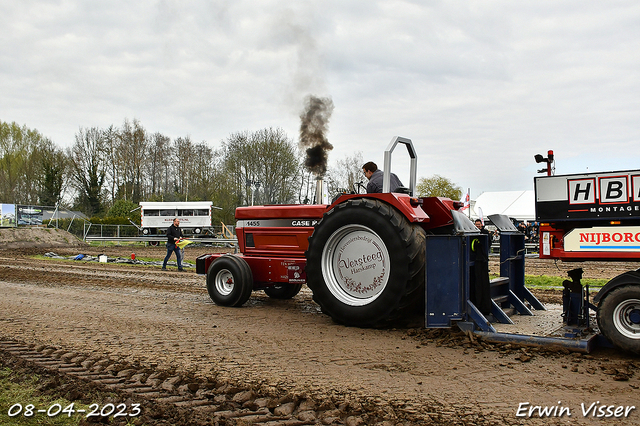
x=297 y=366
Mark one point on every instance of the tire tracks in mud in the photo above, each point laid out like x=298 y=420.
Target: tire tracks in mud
x=204 y=401
x=86 y=274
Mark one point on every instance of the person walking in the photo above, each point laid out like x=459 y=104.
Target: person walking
x=174 y=234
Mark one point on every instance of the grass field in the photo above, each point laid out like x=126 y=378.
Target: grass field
x=545 y=281
x=18 y=391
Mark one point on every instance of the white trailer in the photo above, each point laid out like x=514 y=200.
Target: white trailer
x=194 y=216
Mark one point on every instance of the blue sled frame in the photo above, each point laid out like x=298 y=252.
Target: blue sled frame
x=450 y=289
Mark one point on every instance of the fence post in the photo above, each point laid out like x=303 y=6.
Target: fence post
x=71 y=223
x=87 y=230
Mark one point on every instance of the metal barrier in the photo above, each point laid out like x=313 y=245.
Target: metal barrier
x=130 y=233
x=162 y=240
x=92 y=230
x=530 y=249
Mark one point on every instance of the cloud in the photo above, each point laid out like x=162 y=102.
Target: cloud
x=480 y=87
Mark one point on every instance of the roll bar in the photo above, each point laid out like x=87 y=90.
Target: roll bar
x=386 y=180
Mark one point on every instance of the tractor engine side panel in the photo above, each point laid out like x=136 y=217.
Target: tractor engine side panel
x=276 y=231
x=274 y=241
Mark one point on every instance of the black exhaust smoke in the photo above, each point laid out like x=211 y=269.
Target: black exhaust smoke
x=314 y=124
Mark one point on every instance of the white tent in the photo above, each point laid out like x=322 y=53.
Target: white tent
x=519 y=205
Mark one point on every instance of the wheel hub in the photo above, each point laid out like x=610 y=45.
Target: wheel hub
x=224 y=282
x=626 y=318
x=355 y=265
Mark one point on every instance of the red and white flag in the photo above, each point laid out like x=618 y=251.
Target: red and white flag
x=465 y=201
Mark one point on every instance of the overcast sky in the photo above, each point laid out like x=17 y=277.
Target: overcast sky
x=479 y=86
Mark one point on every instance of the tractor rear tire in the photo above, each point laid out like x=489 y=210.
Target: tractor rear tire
x=619 y=317
x=283 y=291
x=229 y=281
x=366 y=264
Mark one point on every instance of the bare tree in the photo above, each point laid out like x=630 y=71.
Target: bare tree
x=113 y=158
x=202 y=172
x=183 y=154
x=88 y=168
x=158 y=164
x=278 y=173
x=238 y=167
x=346 y=174
x=133 y=151
x=263 y=166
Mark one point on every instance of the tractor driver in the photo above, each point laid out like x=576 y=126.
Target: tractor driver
x=375 y=177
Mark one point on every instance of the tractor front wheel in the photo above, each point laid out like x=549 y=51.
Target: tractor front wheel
x=229 y=281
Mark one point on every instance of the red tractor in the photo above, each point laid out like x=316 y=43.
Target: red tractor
x=363 y=256
x=373 y=259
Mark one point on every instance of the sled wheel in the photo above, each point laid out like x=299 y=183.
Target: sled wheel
x=229 y=281
x=366 y=264
x=283 y=291
x=619 y=317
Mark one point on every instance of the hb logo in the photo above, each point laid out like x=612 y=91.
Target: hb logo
x=611 y=189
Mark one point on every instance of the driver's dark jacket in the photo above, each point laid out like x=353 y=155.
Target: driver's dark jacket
x=375 y=182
